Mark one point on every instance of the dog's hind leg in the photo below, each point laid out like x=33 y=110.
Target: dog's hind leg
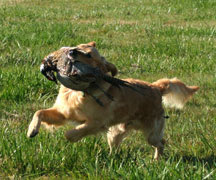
x=49 y=116
x=155 y=138
x=116 y=134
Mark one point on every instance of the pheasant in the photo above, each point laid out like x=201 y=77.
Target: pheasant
x=74 y=73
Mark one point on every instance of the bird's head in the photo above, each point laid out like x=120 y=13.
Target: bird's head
x=48 y=67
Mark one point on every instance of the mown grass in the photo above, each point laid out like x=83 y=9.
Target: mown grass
x=145 y=39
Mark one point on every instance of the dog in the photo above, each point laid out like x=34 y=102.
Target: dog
x=129 y=109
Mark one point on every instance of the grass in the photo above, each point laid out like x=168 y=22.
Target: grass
x=145 y=39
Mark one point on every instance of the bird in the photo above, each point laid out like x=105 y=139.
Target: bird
x=72 y=71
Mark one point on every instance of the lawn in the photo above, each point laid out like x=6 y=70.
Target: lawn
x=147 y=39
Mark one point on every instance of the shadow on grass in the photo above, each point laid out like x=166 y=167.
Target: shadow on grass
x=209 y=161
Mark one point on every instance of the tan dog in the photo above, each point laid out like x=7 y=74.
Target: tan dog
x=129 y=109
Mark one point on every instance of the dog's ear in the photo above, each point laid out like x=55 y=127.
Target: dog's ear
x=93 y=44
x=109 y=66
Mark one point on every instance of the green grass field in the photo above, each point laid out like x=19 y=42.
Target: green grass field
x=147 y=39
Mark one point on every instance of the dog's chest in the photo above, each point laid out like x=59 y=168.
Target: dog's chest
x=68 y=103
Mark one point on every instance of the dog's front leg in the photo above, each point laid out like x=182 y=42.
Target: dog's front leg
x=116 y=134
x=49 y=116
x=83 y=130
x=34 y=126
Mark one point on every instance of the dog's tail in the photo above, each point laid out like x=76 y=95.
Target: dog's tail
x=175 y=92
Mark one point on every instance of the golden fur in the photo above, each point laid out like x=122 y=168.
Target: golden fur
x=129 y=110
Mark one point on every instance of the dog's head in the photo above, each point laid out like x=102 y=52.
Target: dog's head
x=75 y=62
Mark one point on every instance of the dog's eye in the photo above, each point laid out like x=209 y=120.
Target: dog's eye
x=72 y=52
x=88 y=55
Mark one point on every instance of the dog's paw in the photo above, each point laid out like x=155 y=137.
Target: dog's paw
x=32 y=133
x=34 y=127
x=33 y=130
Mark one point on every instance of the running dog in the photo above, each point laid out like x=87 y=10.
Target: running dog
x=137 y=108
